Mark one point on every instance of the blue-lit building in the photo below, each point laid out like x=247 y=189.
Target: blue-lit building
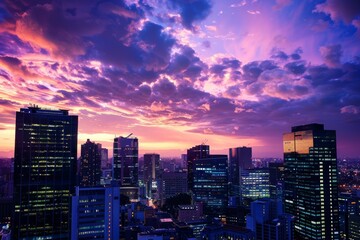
x=254 y=184
x=310 y=181
x=45 y=168
x=95 y=213
x=211 y=184
x=193 y=154
x=240 y=158
x=268 y=221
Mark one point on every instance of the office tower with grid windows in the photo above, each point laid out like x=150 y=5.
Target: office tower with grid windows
x=310 y=181
x=45 y=169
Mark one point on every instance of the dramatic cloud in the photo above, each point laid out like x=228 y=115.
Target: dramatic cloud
x=340 y=10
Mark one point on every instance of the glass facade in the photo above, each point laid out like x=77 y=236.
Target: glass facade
x=45 y=169
x=211 y=183
x=95 y=213
x=125 y=163
x=310 y=181
x=194 y=153
x=254 y=184
x=239 y=158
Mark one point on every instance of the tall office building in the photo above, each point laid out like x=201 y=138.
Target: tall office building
x=211 y=184
x=95 y=212
x=104 y=158
x=239 y=159
x=151 y=172
x=125 y=167
x=44 y=173
x=194 y=153
x=172 y=183
x=90 y=164
x=254 y=184
x=310 y=181
x=276 y=177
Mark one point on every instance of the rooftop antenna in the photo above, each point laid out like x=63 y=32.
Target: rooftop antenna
x=129 y=135
x=204 y=142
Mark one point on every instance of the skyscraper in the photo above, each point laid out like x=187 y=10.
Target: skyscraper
x=194 y=153
x=125 y=167
x=104 y=158
x=44 y=173
x=151 y=172
x=276 y=177
x=310 y=181
x=211 y=183
x=239 y=159
x=90 y=164
x=172 y=183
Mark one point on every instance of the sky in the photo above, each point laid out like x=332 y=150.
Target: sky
x=179 y=73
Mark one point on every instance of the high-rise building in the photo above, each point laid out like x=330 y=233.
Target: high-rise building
x=104 y=158
x=125 y=167
x=95 y=212
x=254 y=184
x=211 y=184
x=172 y=183
x=239 y=159
x=151 y=172
x=44 y=173
x=194 y=153
x=310 y=181
x=90 y=164
x=276 y=180
x=184 y=161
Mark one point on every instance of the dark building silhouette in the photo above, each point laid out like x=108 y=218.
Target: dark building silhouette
x=310 y=181
x=194 y=153
x=276 y=177
x=239 y=159
x=151 y=171
x=90 y=164
x=211 y=184
x=44 y=173
x=125 y=167
x=171 y=184
x=268 y=221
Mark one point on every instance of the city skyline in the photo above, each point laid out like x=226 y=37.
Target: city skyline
x=180 y=73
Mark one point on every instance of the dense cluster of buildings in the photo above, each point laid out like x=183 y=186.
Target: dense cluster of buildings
x=52 y=194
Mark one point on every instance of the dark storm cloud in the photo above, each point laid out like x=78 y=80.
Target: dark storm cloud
x=21 y=47
x=340 y=10
x=322 y=74
x=191 y=11
x=331 y=54
x=252 y=70
x=278 y=54
x=296 y=67
x=66 y=28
